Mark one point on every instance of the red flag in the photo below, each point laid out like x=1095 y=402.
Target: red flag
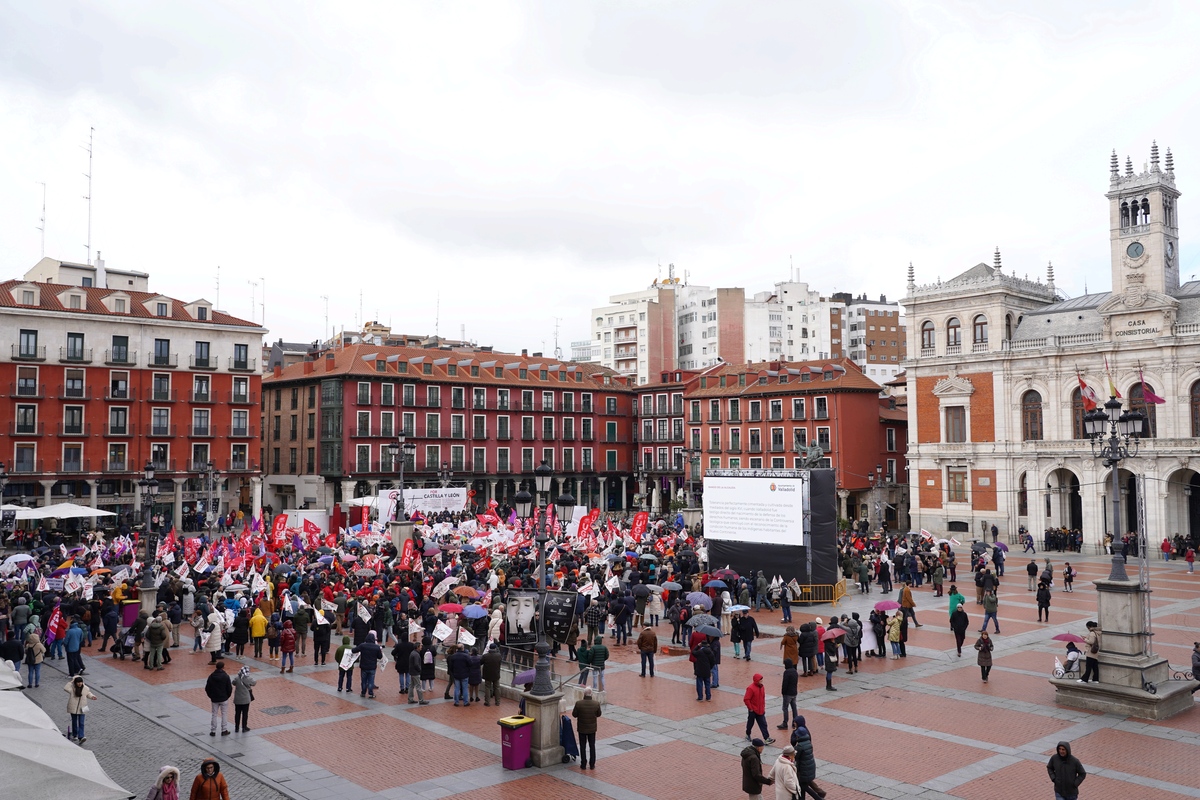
x=662 y=546
x=406 y=555
x=331 y=539
x=1087 y=394
x=640 y=520
x=278 y=526
x=1149 y=396
x=191 y=548
x=366 y=517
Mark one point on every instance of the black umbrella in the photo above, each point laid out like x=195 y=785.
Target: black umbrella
x=697 y=620
x=641 y=590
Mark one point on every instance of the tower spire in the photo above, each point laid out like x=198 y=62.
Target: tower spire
x=1128 y=167
x=1114 y=167
x=912 y=279
x=1170 y=163
x=1050 y=275
x=996 y=260
x=1154 y=156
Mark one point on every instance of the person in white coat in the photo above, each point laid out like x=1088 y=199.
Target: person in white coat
x=497 y=620
x=215 y=627
x=787 y=785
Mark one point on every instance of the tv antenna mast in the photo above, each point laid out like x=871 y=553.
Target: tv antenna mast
x=42 y=227
x=88 y=196
x=558 y=354
x=325 y=297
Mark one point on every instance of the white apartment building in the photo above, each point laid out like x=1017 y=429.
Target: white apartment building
x=812 y=323
x=875 y=336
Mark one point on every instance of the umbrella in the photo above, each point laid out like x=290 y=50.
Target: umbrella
x=697 y=620
x=349 y=558
x=716 y=585
x=671 y=586
x=323 y=550
x=699 y=599
x=236 y=587
x=833 y=633
x=77 y=549
x=325 y=559
x=1002 y=546
x=886 y=605
x=59 y=572
x=1068 y=637
x=450 y=608
x=522 y=678
x=18 y=711
x=365 y=573
x=648 y=557
x=725 y=574
x=431 y=549
x=79 y=571
x=283 y=569
x=466 y=591
x=654 y=587
x=709 y=630
x=42 y=763
x=474 y=612
x=614 y=557
x=468 y=548
x=18 y=558
x=631 y=554
x=641 y=590
x=101 y=571
x=737 y=608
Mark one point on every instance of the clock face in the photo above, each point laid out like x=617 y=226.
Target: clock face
x=1135 y=250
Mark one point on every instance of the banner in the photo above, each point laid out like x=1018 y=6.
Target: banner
x=640 y=519
x=406 y=555
x=427 y=500
x=465 y=637
x=279 y=526
x=442 y=630
x=518 y=615
x=363 y=613
x=348 y=660
x=366 y=517
x=415 y=629
x=559 y=614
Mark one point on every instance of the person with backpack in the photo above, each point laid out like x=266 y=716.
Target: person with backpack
x=274 y=628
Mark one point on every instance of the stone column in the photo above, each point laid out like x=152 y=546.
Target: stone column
x=624 y=493
x=177 y=505
x=256 y=495
x=545 y=749
x=842 y=495
x=603 y=495
x=491 y=492
x=93 y=497
x=47 y=487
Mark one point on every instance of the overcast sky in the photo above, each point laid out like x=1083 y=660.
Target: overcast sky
x=523 y=161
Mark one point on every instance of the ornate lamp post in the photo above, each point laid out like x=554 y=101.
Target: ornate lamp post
x=149 y=490
x=401 y=450
x=693 y=513
x=1115 y=436
x=445 y=474
x=564 y=506
x=208 y=475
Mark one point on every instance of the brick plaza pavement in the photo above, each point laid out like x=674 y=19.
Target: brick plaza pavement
x=922 y=727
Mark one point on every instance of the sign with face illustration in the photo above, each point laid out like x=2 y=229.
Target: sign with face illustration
x=519 y=615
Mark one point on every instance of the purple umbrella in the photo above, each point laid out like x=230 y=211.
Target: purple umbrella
x=522 y=678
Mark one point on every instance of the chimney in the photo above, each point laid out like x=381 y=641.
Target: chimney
x=277 y=370
x=524 y=353
x=101 y=275
x=309 y=367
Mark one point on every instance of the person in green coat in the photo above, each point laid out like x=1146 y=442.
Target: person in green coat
x=300 y=622
x=956 y=599
x=938 y=576
x=864 y=577
x=583 y=654
x=599 y=659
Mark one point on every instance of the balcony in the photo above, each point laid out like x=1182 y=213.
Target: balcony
x=527 y=436
x=201 y=397
x=458 y=433
x=548 y=436
x=246 y=432
x=979 y=347
x=357 y=433
x=75 y=355
x=116 y=466
x=694 y=419
x=778 y=447
x=821 y=415
x=33 y=391
x=615 y=439
x=568 y=436
x=954 y=349
x=73 y=393
x=503 y=469
x=168 y=396
x=111 y=394
x=928 y=352
x=242 y=364
x=160 y=430
x=776 y=416
x=755 y=447
x=734 y=449
x=241 y=465
x=202 y=362
x=163 y=360
x=587 y=436
x=201 y=431
x=714 y=447
x=33 y=353
x=754 y=418
x=20 y=429
x=117 y=430
x=420 y=402
x=120 y=358
x=503 y=435
x=73 y=467
x=163 y=466
x=74 y=429
x=242 y=398
x=733 y=417
x=799 y=417
x=27 y=467
x=587 y=468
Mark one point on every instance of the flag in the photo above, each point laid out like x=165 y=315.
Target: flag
x=52 y=626
x=1148 y=395
x=1112 y=387
x=1087 y=394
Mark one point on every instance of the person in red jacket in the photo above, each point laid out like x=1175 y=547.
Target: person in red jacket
x=287 y=646
x=755 y=701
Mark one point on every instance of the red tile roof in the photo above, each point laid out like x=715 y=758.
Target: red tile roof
x=845 y=376
x=94 y=304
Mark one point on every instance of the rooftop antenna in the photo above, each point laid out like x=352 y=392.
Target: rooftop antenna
x=42 y=227
x=253 y=294
x=792 y=267
x=325 y=297
x=218 y=286
x=263 y=302
x=462 y=332
x=558 y=353
x=88 y=196
x=437 y=316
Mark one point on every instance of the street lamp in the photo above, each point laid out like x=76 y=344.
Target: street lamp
x=402 y=449
x=149 y=489
x=445 y=475
x=564 y=507
x=208 y=474
x=639 y=473
x=1115 y=436
x=693 y=513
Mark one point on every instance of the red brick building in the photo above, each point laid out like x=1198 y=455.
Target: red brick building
x=764 y=416
x=488 y=418
x=103 y=375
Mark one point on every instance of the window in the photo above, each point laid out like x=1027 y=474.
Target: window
x=527 y=400
x=161 y=388
x=502 y=397
x=72 y=458
x=312 y=391
x=797 y=408
x=119 y=306
x=928 y=335
x=1194 y=396
x=586 y=428
x=526 y=459
x=479 y=460
x=956 y=485
x=479 y=398
x=502 y=462
x=891 y=440
x=25 y=458
x=587 y=458
x=714 y=440
x=200 y=421
x=821 y=408
x=162 y=353
x=433 y=425
x=956 y=424
x=28 y=344
x=73 y=383
x=241 y=423
x=979 y=328
x=458 y=426
x=408 y=423
x=362 y=458
x=1137 y=402
x=27 y=297
x=527 y=427
x=160 y=422
x=241 y=356
x=714 y=410
x=202 y=354
x=26 y=419
x=610 y=460
x=457 y=456
x=27 y=385
x=160 y=309
x=457 y=395
x=311 y=431
x=823 y=439
x=241 y=390
x=568 y=400
x=363 y=427
x=433 y=457
x=502 y=428
x=75 y=347
x=953 y=333
x=585 y=402
x=479 y=426
x=433 y=396
x=201 y=313
x=116 y=458
x=120 y=350
x=800 y=438
x=200 y=389
x=610 y=405
x=1031 y=417
x=364 y=394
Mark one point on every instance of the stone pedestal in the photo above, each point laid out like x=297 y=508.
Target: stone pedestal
x=400 y=531
x=1131 y=683
x=545 y=710
x=148 y=600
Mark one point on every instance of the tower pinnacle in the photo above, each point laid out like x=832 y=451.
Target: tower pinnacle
x=1128 y=167
x=1154 y=156
x=1170 y=163
x=996 y=260
x=1050 y=275
x=1114 y=167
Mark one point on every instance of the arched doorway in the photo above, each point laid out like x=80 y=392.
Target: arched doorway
x=1066 y=503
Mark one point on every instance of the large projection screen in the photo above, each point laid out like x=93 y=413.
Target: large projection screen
x=758 y=510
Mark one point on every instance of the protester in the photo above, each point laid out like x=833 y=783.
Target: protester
x=35 y=652
x=344 y=674
x=587 y=711
x=243 y=696
x=369 y=654
x=984 y=645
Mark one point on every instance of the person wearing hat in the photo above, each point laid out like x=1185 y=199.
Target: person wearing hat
x=647 y=644
x=783 y=773
x=959 y=621
x=753 y=778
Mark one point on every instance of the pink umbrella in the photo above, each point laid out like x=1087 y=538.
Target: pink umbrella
x=349 y=558
x=1068 y=637
x=886 y=605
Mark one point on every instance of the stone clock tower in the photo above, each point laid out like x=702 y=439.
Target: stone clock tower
x=1143 y=217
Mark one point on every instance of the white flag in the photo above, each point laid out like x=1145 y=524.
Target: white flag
x=414 y=628
x=321 y=617
x=87 y=591
x=328 y=606
x=182 y=572
x=42 y=585
x=363 y=613
x=168 y=559
x=442 y=631
x=465 y=637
